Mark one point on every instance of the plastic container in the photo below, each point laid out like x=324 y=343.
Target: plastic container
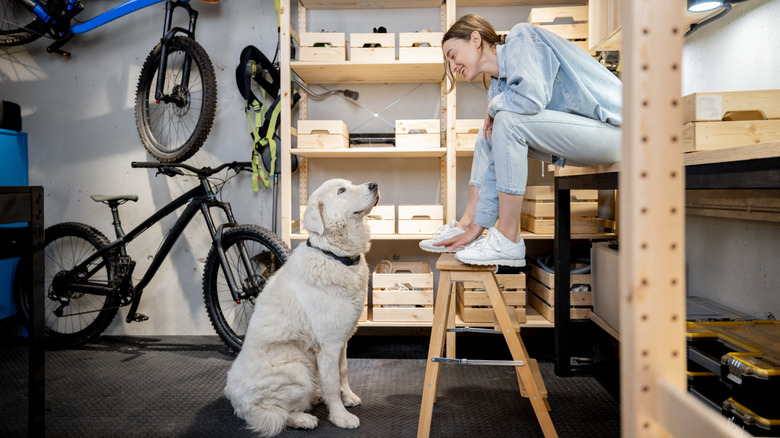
x=13 y=172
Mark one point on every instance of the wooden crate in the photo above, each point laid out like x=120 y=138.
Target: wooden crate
x=569 y=22
x=540 y=286
x=702 y=107
x=322 y=134
x=538 y=214
x=323 y=46
x=421 y=133
x=381 y=219
x=730 y=119
x=383 y=50
x=402 y=291
x=420 y=219
x=466 y=131
x=419 y=46
x=473 y=303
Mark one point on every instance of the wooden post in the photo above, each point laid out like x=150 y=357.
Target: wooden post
x=286 y=123
x=652 y=210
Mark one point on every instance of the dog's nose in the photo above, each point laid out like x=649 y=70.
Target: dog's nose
x=373 y=187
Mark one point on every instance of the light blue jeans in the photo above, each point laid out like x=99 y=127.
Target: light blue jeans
x=501 y=163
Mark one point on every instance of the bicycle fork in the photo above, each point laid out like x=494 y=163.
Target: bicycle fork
x=168 y=34
x=238 y=291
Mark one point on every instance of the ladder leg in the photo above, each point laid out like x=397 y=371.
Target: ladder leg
x=435 y=349
x=519 y=353
x=450 y=350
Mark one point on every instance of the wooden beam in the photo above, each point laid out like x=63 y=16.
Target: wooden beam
x=652 y=211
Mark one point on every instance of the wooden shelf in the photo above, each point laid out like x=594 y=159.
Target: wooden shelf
x=396 y=4
x=740 y=153
x=524 y=234
x=532 y=320
x=371 y=152
x=349 y=72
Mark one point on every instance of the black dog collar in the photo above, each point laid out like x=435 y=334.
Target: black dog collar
x=347 y=261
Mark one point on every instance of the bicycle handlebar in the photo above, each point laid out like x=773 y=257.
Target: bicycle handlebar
x=238 y=166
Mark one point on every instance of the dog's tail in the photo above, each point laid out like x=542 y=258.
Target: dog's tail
x=267 y=420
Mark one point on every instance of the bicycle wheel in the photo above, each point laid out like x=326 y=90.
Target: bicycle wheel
x=174 y=128
x=267 y=253
x=71 y=318
x=19 y=26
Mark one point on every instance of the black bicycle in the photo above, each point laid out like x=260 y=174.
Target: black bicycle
x=176 y=98
x=87 y=278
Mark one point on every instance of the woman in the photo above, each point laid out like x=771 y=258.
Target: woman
x=548 y=100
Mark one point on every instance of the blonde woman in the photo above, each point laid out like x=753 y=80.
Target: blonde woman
x=548 y=100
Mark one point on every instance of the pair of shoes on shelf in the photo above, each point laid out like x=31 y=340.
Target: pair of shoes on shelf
x=493 y=249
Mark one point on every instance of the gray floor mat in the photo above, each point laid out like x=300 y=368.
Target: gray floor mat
x=172 y=386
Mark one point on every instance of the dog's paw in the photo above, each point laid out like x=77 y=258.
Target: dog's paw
x=301 y=420
x=345 y=420
x=350 y=399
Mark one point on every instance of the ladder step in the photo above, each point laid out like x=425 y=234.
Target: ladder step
x=510 y=363
x=474 y=330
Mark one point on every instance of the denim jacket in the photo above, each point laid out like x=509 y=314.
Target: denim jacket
x=540 y=70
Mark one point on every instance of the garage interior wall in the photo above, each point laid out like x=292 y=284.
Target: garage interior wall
x=79 y=114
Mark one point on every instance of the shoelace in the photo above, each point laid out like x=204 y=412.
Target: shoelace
x=441 y=231
x=491 y=241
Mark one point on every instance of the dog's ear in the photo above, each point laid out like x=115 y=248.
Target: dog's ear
x=313 y=219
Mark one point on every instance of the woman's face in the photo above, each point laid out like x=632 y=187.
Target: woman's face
x=463 y=56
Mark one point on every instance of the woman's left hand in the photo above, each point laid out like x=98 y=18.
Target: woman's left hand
x=487 y=128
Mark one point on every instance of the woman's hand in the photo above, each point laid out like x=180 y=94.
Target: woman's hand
x=472 y=233
x=487 y=128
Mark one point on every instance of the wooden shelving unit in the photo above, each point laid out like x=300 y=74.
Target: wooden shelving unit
x=350 y=72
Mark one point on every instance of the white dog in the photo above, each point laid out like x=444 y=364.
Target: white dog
x=295 y=345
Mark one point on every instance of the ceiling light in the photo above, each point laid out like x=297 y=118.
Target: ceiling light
x=703 y=5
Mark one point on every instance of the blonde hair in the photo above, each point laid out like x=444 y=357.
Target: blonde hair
x=462 y=29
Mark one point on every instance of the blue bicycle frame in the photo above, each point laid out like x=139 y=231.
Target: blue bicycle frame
x=63 y=31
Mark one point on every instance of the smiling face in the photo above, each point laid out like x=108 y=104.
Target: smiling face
x=463 y=56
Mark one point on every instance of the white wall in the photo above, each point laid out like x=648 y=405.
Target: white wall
x=735 y=263
x=82 y=136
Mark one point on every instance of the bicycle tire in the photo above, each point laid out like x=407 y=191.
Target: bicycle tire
x=19 y=26
x=229 y=318
x=86 y=316
x=173 y=132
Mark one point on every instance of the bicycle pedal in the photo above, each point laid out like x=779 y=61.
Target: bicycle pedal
x=139 y=317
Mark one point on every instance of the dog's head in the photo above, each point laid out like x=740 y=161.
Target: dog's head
x=336 y=212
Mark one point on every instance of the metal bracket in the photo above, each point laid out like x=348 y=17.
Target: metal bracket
x=474 y=330
x=509 y=363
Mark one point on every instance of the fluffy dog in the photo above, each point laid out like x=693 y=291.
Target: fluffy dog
x=295 y=346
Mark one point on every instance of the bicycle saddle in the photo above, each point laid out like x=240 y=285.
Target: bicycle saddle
x=107 y=198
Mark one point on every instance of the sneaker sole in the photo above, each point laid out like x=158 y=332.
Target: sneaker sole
x=511 y=263
x=438 y=250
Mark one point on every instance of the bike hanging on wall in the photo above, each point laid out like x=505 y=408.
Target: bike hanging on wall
x=176 y=97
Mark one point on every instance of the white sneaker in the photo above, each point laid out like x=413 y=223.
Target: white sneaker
x=494 y=249
x=440 y=235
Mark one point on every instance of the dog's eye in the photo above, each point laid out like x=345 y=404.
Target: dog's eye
x=342 y=190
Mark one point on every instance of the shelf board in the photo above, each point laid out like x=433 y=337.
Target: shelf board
x=349 y=72
x=532 y=320
x=371 y=152
x=524 y=234
x=369 y=4
x=397 y=4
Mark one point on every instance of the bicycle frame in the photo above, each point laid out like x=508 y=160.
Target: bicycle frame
x=197 y=199
x=61 y=27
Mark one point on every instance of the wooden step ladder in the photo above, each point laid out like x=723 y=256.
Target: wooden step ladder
x=528 y=377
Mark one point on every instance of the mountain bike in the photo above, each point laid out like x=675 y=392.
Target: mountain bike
x=88 y=278
x=176 y=97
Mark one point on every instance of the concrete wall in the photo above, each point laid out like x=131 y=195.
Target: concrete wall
x=79 y=114
x=734 y=262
